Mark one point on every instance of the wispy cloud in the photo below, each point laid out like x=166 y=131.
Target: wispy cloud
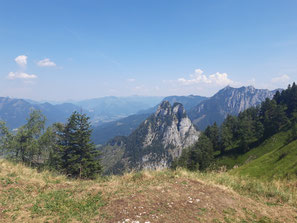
x=20 y=75
x=46 y=63
x=218 y=79
x=21 y=60
x=281 y=79
x=131 y=80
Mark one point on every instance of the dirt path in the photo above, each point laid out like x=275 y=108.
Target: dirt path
x=186 y=200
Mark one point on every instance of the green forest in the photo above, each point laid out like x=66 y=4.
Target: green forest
x=65 y=148
x=222 y=145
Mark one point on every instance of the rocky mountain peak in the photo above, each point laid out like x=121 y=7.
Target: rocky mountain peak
x=158 y=140
x=179 y=111
x=163 y=109
x=229 y=100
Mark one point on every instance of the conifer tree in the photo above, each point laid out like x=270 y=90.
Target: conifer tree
x=213 y=133
x=79 y=156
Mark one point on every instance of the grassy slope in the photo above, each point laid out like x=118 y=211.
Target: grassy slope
x=279 y=162
x=158 y=196
x=273 y=158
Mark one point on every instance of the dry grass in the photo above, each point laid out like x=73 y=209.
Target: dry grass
x=148 y=196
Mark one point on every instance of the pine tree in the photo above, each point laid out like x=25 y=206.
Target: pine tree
x=6 y=138
x=213 y=133
x=49 y=144
x=226 y=138
x=79 y=156
x=26 y=141
x=200 y=155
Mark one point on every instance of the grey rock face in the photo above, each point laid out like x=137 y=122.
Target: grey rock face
x=227 y=101
x=158 y=140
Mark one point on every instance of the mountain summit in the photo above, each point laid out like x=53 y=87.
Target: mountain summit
x=228 y=100
x=154 y=144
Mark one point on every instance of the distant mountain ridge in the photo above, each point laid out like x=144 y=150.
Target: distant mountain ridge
x=188 y=102
x=123 y=127
x=228 y=100
x=154 y=144
x=202 y=111
x=15 y=111
x=111 y=108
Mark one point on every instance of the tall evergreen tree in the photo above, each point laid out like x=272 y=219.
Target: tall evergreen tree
x=6 y=138
x=26 y=141
x=200 y=155
x=226 y=137
x=79 y=156
x=213 y=133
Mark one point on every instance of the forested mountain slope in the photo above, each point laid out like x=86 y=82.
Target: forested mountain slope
x=260 y=140
x=275 y=158
x=228 y=101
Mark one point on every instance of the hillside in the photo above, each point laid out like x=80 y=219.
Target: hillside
x=155 y=197
x=276 y=158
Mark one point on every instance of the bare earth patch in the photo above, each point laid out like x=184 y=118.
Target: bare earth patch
x=186 y=200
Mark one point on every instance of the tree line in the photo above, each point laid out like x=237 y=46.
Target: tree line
x=66 y=148
x=240 y=133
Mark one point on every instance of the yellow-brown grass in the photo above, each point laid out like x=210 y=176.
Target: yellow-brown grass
x=147 y=196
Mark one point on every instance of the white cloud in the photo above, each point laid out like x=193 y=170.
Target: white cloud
x=21 y=60
x=46 y=63
x=137 y=88
x=131 y=80
x=20 y=75
x=220 y=79
x=281 y=79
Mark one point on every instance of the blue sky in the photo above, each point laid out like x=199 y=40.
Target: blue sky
x=58 y=49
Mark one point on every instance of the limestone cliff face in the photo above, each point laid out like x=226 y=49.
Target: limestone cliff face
x=229 y=100
x=158 y=140
x=171 y=130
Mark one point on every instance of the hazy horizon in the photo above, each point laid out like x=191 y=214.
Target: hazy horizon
x=128 y=96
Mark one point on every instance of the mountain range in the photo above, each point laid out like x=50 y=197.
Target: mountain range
x=111 y=108
x=15 y=111
x=123 y=127
x=119 y=116
x=100 y=110
x=202 y=111
x=228 y=100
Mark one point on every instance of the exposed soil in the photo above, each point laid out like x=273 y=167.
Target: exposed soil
x=186 y=200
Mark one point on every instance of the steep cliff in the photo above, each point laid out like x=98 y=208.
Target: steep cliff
x=229 y=100
x=154 y=144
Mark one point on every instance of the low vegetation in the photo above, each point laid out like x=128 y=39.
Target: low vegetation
x=157 y=196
